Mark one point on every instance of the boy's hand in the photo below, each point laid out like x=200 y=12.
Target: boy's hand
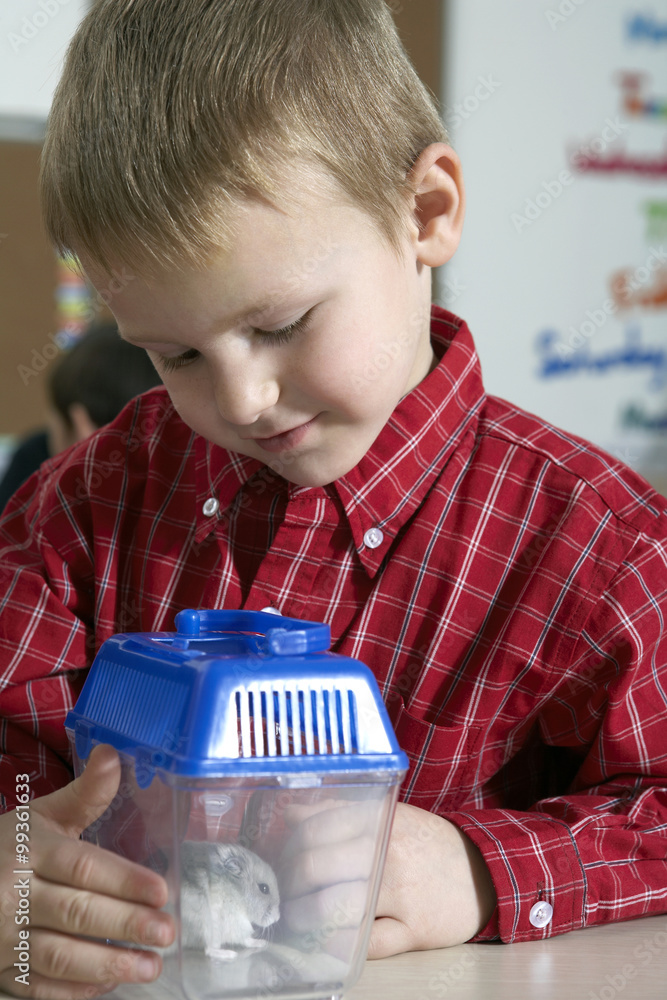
x=436 y=889
x=78 y=889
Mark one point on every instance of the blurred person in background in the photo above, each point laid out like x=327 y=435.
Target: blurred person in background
x=88 y=387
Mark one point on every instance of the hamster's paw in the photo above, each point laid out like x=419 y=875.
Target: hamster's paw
x=221 y=954
x=253 y=942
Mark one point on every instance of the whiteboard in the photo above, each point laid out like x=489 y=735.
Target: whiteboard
x=559 y=113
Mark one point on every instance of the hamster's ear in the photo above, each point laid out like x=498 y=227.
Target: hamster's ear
x=235 y=865
x=439 y=204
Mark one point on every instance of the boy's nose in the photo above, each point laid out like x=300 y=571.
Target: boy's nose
x=243 y=392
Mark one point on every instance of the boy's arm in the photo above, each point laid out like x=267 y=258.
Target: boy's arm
x=44 y=642
x=436 y=888
x=597 y=851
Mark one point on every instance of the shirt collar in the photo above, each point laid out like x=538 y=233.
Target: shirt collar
x=219 y=475
x=392 y=479
x=429 y=424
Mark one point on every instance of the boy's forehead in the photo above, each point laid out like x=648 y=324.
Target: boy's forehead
x=302 y=193
x=271 y=251
x=277 y=261
x=306 y=202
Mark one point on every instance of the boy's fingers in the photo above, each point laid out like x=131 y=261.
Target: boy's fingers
x=42 y=988
x=81 y=865
x=389 y=937
x=330 y=826
x=58 y=957
x=297 y=812
x=318 y=867
x=336 y=907
x=78 y=912
x=80 y=803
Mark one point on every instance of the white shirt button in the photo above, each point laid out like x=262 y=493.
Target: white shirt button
x=540 y=914
x=373 y=538
x=211 y=507
x=270 y=611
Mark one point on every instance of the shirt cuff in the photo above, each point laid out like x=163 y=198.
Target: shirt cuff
x=536 y=870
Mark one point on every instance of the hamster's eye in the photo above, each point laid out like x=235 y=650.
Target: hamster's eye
x=263 y=887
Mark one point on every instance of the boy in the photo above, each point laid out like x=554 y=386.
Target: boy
x=269 y=186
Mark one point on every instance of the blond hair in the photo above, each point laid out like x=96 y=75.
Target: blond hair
x=171 y=111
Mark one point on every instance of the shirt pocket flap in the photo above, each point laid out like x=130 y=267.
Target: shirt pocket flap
x=442 y=761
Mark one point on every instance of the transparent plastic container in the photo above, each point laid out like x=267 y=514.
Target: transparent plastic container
x=260 y=774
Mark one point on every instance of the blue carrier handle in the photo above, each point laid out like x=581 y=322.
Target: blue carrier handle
x=291 y=637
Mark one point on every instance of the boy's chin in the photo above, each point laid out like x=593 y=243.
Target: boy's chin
x=312 y=472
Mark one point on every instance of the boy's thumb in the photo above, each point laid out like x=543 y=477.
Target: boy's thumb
x=80 y=803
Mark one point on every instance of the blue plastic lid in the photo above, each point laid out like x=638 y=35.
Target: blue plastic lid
x=234 y=693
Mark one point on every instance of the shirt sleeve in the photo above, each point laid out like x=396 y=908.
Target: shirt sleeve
x=46 y=634
x=597 y=852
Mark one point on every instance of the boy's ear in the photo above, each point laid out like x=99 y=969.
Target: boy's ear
x=82 y=424
x=439 y=206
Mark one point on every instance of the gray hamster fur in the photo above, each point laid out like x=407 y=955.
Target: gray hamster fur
x=225 y=890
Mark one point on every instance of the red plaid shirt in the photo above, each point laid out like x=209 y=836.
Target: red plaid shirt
x=505 y=581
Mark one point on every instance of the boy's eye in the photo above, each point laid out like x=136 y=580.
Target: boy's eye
x=281 y=336
x=171 y=364
x=286 y=333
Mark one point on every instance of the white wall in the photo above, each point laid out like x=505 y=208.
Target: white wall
x=34 y=35
x=529 y=83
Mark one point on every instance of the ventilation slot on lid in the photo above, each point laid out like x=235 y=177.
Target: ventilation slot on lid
x=293 y=721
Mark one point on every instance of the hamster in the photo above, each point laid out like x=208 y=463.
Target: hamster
x=227 y=893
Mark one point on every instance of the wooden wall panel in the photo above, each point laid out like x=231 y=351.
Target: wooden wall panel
x=27 y=287
x=420 y=25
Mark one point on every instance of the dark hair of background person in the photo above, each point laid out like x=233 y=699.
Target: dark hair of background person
x=100 y=373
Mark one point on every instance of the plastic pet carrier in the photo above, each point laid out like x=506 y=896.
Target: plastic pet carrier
x=260 y=774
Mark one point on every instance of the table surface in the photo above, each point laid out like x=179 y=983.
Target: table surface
x=627 y=960
x=601 y=963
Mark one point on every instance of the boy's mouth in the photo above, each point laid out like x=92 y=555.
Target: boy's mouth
x=287 y=440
